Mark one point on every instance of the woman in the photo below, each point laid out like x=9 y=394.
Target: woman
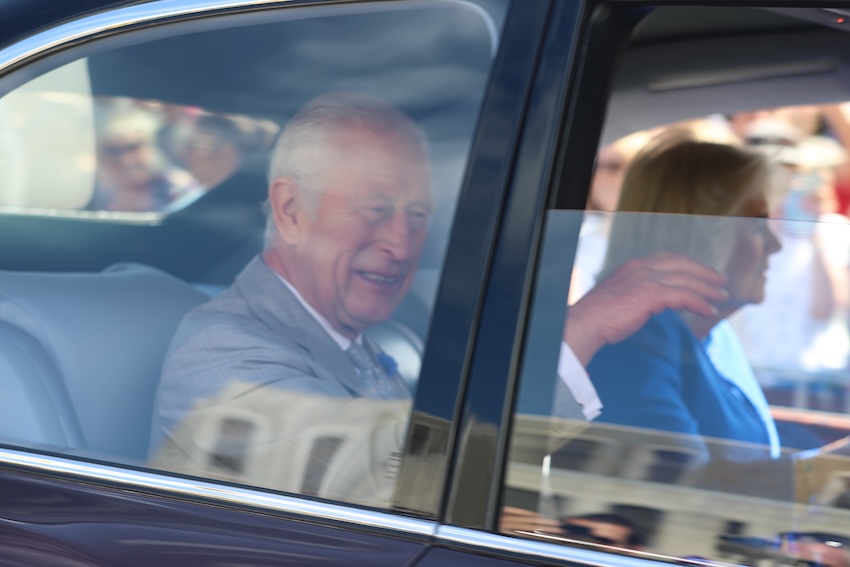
x=715 y=198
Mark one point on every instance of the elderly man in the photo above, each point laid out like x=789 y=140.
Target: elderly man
x=349 y=204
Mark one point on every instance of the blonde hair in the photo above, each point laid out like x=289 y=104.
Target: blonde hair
x=698 y=184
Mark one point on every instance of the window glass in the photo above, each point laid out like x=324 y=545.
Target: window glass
x=75 y=155
x=50 y=119
x=694 y=404
x=290 y=362
x=156 y=157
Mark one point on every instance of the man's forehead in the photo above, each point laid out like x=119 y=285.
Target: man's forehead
x=393 y=186
x=379 y=141
x=379 y=157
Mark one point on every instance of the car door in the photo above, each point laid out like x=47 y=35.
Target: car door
x=94 y=286
x=683 y=71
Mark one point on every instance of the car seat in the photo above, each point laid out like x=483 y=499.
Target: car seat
x=81 y=355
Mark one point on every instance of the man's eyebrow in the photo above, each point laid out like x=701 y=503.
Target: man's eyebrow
x=424 y=204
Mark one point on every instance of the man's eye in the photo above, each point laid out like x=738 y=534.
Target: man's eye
x=418 y=218
x=378 y=212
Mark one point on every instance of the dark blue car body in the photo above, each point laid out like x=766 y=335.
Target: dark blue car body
x=533 y=148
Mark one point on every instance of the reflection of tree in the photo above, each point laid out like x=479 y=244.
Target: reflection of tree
x=697 y=498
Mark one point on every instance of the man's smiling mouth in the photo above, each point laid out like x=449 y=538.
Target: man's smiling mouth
x=380 y=278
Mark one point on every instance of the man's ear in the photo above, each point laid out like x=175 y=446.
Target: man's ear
x=286 y=209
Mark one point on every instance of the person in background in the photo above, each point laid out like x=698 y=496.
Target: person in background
x=608 y=171
x=132 y=174
x=213 y=151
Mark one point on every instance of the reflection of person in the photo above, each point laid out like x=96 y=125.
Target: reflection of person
x=349 y=205
x=814 y=549
x=661 y=377
x=133 y=175
x=601 y=528
x=605 y=529
x=213 y=151
x=610 y=169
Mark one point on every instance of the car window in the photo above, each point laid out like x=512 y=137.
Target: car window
x=247 y=220
x=684 y=376
x=120 y=159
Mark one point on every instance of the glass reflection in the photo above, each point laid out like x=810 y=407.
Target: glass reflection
x=694 y=494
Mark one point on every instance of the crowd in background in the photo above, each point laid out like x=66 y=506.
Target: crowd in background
x=158 y=157
x=797 y=340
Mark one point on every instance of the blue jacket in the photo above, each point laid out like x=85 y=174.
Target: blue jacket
x=661 y=378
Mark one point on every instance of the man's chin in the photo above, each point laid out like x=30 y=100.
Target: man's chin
x=364 y=320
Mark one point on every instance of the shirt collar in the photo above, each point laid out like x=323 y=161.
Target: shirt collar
x=343 y=341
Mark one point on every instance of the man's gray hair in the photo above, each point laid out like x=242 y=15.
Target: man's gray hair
x=301 y=151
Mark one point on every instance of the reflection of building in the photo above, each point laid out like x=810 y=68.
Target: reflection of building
x=682 y=504
x=342 y=449
x=420 y=484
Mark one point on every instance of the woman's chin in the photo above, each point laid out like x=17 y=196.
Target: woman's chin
x=728 y=307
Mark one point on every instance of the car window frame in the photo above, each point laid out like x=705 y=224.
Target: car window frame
x=57 y=45
x=487 y=407
x=605 y=28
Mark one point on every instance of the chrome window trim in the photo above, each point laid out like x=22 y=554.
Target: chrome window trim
x=144 y=14
x=113 y=20
x=205 y=490
x=152 y=218
x=534 y=550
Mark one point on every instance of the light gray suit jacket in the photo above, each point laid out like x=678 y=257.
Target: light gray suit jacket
x=258 y=332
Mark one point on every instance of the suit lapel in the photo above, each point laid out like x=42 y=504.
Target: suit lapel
x=273 y=303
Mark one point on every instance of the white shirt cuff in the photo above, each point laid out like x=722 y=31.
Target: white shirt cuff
x=578 y=382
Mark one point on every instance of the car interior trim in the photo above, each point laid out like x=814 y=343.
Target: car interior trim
x=470 y=539
x=201 y=489
x=743 y=74
x=156 y=12
x=113 y=20
x=140 y=218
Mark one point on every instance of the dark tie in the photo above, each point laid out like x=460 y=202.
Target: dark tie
x=375 y=381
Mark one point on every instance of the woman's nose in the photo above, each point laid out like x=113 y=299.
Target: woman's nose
x=774 y=244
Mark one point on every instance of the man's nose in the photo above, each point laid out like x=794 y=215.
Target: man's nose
x=396 y=236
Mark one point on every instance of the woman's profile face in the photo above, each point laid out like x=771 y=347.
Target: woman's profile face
x=756 y=241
